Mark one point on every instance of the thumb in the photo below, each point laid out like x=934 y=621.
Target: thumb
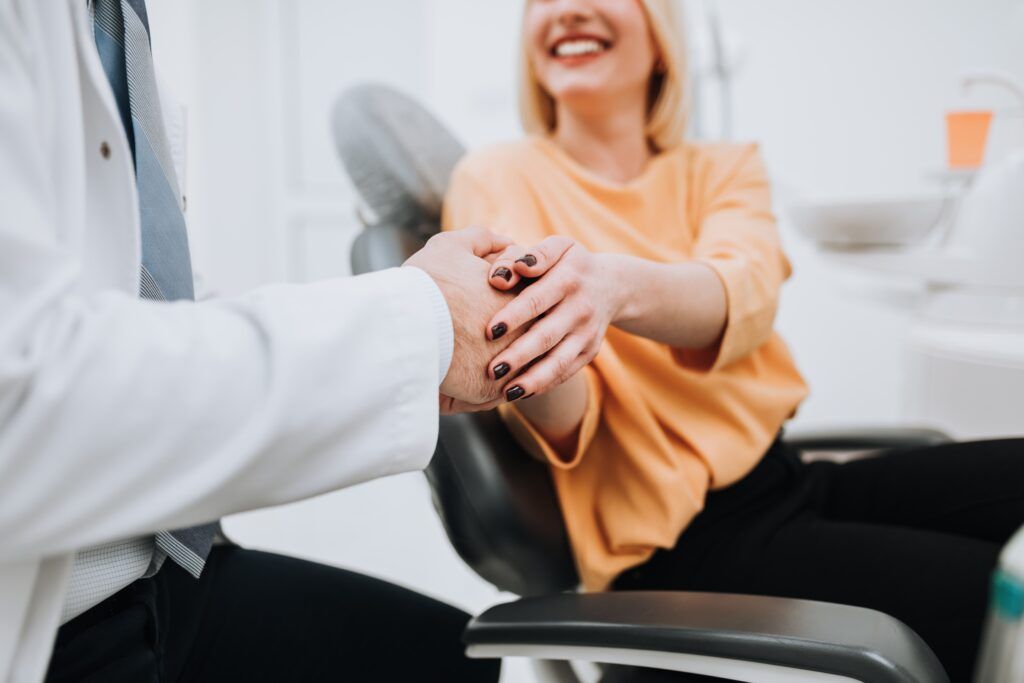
x=481 y=241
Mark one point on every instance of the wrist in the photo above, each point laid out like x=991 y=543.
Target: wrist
x=616 y=271
x=443 y=326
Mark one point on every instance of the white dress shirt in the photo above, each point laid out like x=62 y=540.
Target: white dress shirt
x=119 y=417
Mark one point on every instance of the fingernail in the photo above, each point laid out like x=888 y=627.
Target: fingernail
x=500 y=370
x=503 y=273
x=530 y=260
x=530 y=396
x=498 y=330
x=514 y=393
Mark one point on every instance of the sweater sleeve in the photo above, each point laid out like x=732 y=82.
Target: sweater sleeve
x=738 y=239
x=534 y=442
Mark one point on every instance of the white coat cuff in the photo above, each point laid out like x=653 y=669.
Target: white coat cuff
x=443 y=324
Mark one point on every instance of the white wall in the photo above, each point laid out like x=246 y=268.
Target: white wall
x=847 y=97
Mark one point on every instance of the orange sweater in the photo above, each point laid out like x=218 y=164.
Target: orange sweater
x=663 y=425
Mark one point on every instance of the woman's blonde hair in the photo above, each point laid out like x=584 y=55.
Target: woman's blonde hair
x=668 y=101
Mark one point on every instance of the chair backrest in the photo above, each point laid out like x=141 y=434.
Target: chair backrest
x=497 y=505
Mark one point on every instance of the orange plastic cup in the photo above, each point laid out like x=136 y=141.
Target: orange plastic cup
x=966 y=136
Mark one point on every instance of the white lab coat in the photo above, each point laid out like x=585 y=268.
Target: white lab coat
x=118 y=416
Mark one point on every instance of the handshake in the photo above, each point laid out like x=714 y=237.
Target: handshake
x=525 y=319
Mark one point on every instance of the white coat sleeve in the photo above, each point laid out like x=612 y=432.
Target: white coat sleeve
x=119 y=416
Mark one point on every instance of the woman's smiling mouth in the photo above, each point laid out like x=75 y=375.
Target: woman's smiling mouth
x=578 y=46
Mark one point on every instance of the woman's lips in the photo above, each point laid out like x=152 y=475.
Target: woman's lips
x=578 y=48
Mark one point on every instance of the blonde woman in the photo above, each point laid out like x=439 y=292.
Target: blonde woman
x=663 y=444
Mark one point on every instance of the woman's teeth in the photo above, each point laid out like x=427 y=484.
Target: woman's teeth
x=574 y=48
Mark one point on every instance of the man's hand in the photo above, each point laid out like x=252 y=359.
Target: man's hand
x=456 y=262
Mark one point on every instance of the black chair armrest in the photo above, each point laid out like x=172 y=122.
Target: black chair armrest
x=865 y=438
x=776 y=634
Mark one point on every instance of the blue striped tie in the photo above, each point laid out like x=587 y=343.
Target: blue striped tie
x=122 y=37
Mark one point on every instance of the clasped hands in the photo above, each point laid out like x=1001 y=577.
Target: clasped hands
x=525 y=319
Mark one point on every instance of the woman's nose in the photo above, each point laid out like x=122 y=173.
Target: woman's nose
x=572 y=13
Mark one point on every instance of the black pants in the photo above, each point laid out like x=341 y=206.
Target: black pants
x=915 y=534
x=260 y=617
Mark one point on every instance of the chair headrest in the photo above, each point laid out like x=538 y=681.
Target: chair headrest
x=397 y=154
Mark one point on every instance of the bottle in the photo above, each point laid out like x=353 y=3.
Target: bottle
x=1002 y=650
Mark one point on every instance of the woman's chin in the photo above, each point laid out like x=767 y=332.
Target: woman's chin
x=582 y=95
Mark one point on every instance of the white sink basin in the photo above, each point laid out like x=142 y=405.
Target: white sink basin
x=878 y=222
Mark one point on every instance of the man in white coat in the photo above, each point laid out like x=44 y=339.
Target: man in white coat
x=122 y=418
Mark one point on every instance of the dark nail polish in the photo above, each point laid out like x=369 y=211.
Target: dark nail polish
x=500 y=370
x=498 y=330
x=503 y=273
x=514 y=393
x=530 y=260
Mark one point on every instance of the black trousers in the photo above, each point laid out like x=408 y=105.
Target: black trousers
x=259 y=617
x=915 y=534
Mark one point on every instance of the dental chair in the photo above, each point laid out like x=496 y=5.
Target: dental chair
x=501 y=514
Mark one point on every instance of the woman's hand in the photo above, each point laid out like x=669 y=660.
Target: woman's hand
x=571 y=307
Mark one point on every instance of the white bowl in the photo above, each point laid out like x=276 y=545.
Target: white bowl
x=879 y=222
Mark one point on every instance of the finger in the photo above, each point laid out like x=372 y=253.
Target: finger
x=538 y=340
x=528 y=305
x=453 y=406
x=502 y=276
x=559 y=365
x=481 y=240
x=539 y=258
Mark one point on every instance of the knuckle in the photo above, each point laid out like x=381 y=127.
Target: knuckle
x=587 y=310
x=535 y=304
x=571 y=285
